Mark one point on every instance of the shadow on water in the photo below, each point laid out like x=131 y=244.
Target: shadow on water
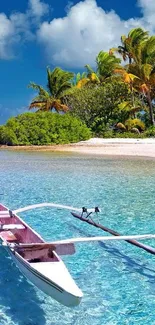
x=128 y=262
x=18 y=299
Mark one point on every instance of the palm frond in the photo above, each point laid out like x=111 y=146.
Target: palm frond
x=40 y=89
x=137 y=35
x=58 y=106
x=82 y=82
x=106 y=64
x=58 y=81
x=89 y=69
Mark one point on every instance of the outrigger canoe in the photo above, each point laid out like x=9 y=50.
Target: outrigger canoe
x=40 y=261
x=42 y=266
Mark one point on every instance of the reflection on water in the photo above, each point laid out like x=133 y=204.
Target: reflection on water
x=19 y=302
x=117 y=278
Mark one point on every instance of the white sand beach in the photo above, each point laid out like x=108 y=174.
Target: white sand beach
x=98 y=146
x=117 y=147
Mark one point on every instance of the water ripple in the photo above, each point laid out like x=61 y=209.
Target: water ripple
x=118 y=279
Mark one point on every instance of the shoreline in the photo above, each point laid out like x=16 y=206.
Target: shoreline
x=98 y=146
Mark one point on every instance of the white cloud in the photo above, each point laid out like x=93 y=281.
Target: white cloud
x=37 y=8
x=76 y=39
x=12 y=29
x=148 y=7
x=7 y=36
x=18 y=27
x=148 y=11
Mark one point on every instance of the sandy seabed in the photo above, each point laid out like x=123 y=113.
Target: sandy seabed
x=98 y=146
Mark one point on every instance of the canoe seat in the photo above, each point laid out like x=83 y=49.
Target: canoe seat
x=8 y=236
x=11 y=227
x=6 y=214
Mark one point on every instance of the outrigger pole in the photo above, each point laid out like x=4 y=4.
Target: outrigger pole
x=88 y=212
x=45 y=204
x=77 y=240
x=134 y=242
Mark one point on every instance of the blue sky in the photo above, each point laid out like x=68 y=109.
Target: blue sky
x=36 y=34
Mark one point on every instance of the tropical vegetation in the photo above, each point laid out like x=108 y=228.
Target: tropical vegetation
x=43 y=128
x=116 y=98
x=58 y=81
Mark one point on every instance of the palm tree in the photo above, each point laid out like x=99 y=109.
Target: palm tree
x=144 y=69
x=130 y=45
x=128 y=78
x=92 y=75
x=145 y=84
x=80 y=80
x=139 y=48
x=87 y=77
x=106 y=65
x=78 y=77
x=58 y=82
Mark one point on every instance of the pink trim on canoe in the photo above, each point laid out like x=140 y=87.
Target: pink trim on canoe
x=26 y=235
x=2 y=208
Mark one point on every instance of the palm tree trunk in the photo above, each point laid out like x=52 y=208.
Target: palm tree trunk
x=150 y=109
x=132 y=94
x=132 y=97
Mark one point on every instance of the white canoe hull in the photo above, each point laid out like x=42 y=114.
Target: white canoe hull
x=51 y=287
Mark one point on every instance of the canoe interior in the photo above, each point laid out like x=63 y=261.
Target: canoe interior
x=26 y=235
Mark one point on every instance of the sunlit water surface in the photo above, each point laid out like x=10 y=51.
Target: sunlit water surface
x=117 y=279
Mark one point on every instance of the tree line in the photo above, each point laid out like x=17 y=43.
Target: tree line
x=118 y=94
x=117 y=98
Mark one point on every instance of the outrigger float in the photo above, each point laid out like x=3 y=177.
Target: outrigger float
x=40 y=261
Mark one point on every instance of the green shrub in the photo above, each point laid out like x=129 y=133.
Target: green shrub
x=108 y=134
x=129 y=135
x=150 y=132
x=7 y=136
x=43 y=128
x=112 y=134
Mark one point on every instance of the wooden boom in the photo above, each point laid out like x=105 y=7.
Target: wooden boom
x=53 y=245
x=10 y=213
x=134 y=242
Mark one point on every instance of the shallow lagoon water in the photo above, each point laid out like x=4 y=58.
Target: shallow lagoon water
x=117 y=279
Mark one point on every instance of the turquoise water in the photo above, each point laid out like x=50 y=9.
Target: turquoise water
x=117 y=279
